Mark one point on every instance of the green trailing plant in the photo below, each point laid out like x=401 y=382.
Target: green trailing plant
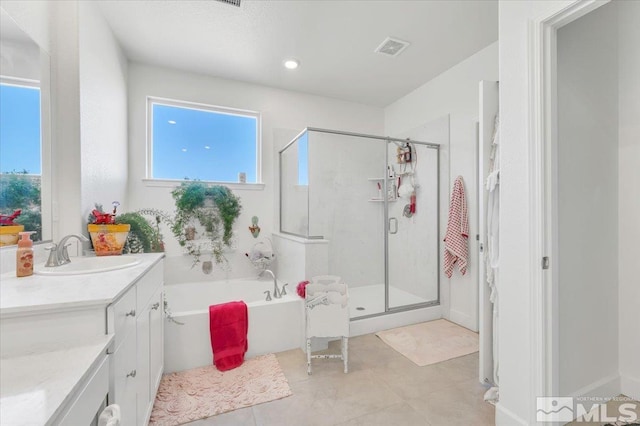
x=213 y=208
x=167 y=312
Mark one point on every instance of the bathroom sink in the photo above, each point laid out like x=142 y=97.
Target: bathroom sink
x=90 y=265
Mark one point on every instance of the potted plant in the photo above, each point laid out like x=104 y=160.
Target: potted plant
x=144 y=237
x=212 y=210
x=107 y=236
x=9 y=229
x=144 y=234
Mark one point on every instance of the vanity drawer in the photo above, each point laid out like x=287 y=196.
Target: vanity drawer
x=148 y=285
x=124 y=317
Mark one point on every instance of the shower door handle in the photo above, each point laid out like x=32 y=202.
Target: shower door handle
x=395 y=228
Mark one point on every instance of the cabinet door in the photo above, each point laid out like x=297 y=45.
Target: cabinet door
x=143 y=398
x=156 y=341
x=150 y=360
x=125 y=379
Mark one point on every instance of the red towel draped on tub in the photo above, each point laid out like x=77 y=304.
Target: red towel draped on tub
x=228 y=325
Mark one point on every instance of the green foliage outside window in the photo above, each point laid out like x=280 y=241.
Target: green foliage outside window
x=19 y=190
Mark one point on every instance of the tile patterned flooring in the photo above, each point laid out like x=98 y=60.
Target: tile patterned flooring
x=381 y=388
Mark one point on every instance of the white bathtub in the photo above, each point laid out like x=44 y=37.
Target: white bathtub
x=274 y=326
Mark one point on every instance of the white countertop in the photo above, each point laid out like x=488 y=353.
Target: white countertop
x=40 y=293
x=34 y=388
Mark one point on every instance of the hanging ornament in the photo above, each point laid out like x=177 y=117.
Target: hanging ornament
x=254 y=228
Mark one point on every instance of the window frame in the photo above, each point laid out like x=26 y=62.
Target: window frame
x=153 y=181
x=44 y=154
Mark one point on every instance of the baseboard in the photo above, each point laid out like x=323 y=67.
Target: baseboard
x=630 y=386
x=505 y=417
x=608 y=386
x=462 y=319
x=398 y=319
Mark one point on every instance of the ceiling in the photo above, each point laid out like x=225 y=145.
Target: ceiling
x=333 y=40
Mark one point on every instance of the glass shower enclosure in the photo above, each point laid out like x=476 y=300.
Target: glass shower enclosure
x=374 y=200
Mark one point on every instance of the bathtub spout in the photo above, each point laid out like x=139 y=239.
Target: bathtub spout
x=276 y=290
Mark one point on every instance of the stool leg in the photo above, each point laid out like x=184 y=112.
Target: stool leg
x=308 y=356
x=345 y=353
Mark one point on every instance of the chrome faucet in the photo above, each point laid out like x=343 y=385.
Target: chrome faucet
x=276 y=291
x=59 y=255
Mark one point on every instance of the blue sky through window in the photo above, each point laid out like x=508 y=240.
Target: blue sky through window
x=20 y=129
x=303 y=159
x=205 y=145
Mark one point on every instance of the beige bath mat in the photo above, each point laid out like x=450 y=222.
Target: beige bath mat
x=204 y=392
x=431 y=342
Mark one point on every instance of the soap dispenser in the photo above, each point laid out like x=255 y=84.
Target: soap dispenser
x=24 y=255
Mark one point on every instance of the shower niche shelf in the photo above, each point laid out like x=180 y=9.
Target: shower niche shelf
x=391 y=189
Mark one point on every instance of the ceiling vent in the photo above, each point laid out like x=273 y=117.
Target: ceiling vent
x=392 y=46
x=231 y=2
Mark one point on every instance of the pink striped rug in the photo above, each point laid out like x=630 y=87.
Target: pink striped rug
x=204 y=392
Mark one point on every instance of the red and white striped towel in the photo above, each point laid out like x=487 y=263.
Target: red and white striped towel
x=455 y=241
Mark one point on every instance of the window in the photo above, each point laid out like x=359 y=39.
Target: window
x=20 y=152
x=303 y=160
x=209 y=143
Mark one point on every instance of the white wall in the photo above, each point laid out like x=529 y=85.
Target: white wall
x=34 y=17
x=517 y=402
x=20 y=59
x=517 y=399
x=65 y=106
x=517 y=372
x=587 y=202
x=629 y=194
x=103 y=113
x=454 y=92
x=283 y=113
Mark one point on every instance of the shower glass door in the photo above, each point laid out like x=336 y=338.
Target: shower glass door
x=412 y=225
x=346 y=208
x=376 y=212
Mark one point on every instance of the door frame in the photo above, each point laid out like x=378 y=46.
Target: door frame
x=543 y=192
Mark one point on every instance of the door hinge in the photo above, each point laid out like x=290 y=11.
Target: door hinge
x=545 y=262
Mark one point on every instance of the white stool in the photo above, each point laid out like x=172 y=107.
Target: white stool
x=327 y=315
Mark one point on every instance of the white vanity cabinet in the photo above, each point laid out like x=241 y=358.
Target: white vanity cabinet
x=137 y=361
x=72 y=343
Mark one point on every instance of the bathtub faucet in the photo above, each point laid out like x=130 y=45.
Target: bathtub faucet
x=276 y=291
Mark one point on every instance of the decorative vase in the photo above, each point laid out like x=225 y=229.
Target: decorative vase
x=108 y=240
x=190 y=233
x=254 y=228
x=9 y=234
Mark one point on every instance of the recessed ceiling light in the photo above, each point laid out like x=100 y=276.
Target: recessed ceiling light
x=291 y=63
x=184 y=149
x=207 y=147
x=171 y=122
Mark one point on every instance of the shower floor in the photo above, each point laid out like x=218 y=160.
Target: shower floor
x=371 y=298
